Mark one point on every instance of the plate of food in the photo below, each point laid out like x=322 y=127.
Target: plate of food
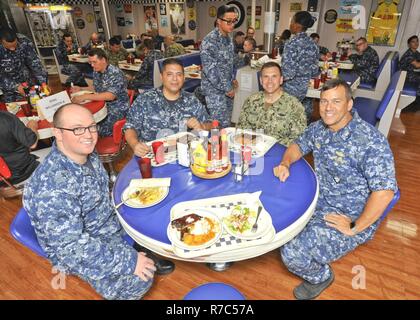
x=239 y=220
x=142 y=197
x=194 y=229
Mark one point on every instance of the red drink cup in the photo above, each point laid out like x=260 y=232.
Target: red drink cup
x=27 y=110
x=317 y=82
x=158 y=151
x=334 y=56
x=145 y=165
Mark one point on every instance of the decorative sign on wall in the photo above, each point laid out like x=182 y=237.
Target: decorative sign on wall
x=120 y=21
x=344 y=26
x=192 y=25
x=150 y=21
x=80 y=23
x=162 y=9
x=314 y=28
x=177 y=14
x=90 y=17
x=295 y=6
x=349 y=6
x=330 y=16
x=384 y=21
x=128 y=8
x=163 y=22
x=212 y=11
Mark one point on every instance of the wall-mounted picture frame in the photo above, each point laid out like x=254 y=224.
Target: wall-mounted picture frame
x=330 y=16
x=162 y=9
x=212 y=11
x=384 y=22
x=177 y=14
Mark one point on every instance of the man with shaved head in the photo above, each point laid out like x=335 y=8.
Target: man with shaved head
x=67 y=199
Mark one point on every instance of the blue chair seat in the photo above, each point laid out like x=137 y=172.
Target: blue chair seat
x=191 y=84
x=214 y=291
x=22 y=230
x=367 y=85
x=409 y=89
x=367 y=108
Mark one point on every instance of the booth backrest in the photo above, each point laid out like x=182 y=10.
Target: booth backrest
x=382 y=64
x=128 y=44
x=388 y=95
x=394 y=63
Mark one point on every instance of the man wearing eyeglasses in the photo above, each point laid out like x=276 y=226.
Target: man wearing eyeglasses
x=110 y=85
x=68 y=202
x=355 y=168
x=365 y=60
x=219 y=61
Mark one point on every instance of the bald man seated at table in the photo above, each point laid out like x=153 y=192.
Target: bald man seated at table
x=68 y=202
x=159 y=111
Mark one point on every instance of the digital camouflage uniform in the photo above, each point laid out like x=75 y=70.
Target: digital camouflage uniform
x=74 y=71
x=21 y=65
x=153 y=116
x=284 y=120
x=405 y=64
x=175 y=49
x=349 y=164
x=114 y=81
x=366 y=64
x=219 y=62
x=76 y=226
x=145 y=75
x=113 y=57
x=299 y=65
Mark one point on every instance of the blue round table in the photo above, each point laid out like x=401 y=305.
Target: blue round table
x=290 y=204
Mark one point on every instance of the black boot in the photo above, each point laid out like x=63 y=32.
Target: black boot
x=162 y=266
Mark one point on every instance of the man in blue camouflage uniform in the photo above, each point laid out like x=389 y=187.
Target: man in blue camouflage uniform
x=19 y=63
x=219 y=62
x=75 y=73
x=110 y=85
x=355 y=168
x=68 y=202
x=410 y=61
x=144 y=78
x=162 y=111
x=300 y=60
x=366 y=61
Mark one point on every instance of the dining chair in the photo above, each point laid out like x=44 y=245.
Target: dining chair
x=214 y=291
x=8 y=190
x=110 y=148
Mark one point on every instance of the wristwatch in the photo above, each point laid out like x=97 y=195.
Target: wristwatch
x=353 y=227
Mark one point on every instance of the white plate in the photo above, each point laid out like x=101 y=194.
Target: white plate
x=174 y=235
x=264 y=224
x=135 y=204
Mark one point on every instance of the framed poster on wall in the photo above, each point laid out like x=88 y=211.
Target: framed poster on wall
x=177 y=13
x=384 y=21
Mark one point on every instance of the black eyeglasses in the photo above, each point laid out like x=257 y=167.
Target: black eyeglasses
x=81 y=130
x=229 y=22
